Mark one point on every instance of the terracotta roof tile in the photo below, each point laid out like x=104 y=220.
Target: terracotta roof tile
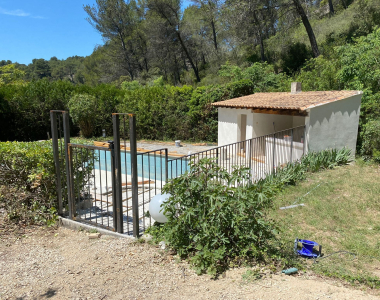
x=300 y=101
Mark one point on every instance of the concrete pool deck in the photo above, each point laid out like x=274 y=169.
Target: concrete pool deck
x=173 y=150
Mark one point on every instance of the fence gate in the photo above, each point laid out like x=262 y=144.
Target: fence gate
x=109 y=184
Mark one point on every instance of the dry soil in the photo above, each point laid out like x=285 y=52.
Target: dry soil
x=66 y=264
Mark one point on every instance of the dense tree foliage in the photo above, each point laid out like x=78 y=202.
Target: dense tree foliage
x=145 y=40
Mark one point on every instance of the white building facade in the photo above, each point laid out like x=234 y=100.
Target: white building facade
x=329 y=119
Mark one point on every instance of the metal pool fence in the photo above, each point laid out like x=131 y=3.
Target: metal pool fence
x=111 y=185
x=262 y=155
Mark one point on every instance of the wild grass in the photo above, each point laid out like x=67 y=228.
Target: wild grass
x=341 y=212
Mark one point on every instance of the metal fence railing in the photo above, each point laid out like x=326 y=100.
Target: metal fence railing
x=262 y=155
x=152 y=176
x=111 y=186
x=92 y=185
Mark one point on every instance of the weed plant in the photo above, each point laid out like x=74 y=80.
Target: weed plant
x=218 y=219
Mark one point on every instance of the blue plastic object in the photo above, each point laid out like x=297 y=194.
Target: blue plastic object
x=307 y=248
x=290 y=271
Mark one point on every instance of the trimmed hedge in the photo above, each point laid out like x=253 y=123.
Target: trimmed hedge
x=27 y=181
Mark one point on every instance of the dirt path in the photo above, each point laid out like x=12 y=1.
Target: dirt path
x=65 y=264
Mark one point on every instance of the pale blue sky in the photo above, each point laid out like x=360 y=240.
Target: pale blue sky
x=45 y=28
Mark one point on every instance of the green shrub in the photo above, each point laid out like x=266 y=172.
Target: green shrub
x=319 y=74
x=83 y=111
x=215 y=224
x=168 y=112
x=326 y=159
x=130 y=85
x=371 y=140
x=160 y=111
x=217 y=219
x=27 y=181
x=28 y=108
x=295 y=57
x=261 y=75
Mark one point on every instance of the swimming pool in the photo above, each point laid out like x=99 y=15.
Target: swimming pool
x=149 y=165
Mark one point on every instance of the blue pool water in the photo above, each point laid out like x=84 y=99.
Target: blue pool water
x=148 y=166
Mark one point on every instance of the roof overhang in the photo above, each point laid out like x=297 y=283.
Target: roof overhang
x=285 y=112
x=282 y=103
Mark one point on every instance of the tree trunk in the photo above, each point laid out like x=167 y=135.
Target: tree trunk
x=177 y=72
x=309 y=29
x=146 y=64
x=126 y=57
x=263 y=58
x=214 y=35
x=259 y=32
x=195 y=69
x=331 y=7
x=203 y=59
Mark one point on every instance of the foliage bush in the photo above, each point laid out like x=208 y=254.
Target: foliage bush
x=327 y=159
x=168 y=112
x=163 y=111
x=215 y=224
x=160 y=111
x=371 y=140
x=295 y=57
x=217 y=219
x=262 y=76
x=27 y=182
x=83 y=111
x=28 y=108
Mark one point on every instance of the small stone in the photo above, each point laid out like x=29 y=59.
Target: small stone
x=162 y=245
x=146 y=237
x=94 y=235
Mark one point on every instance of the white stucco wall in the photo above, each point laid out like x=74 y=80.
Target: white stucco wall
x=263 y=123
x=331 y=125
x=334 y=125
x=228 y=129
x=257 y=124
x=298 y=121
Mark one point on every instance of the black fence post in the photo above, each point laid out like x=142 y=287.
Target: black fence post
x=166 y=167
x=71 y=187
x=291 y=146
x=250 y=153
x=274 y=150
x=111 y=147
x=304 y=139
x=66 y=134
x=118 y=213
x=135 y=189
x=54 y=134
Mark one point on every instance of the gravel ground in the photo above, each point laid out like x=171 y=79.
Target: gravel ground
x=37 y=263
